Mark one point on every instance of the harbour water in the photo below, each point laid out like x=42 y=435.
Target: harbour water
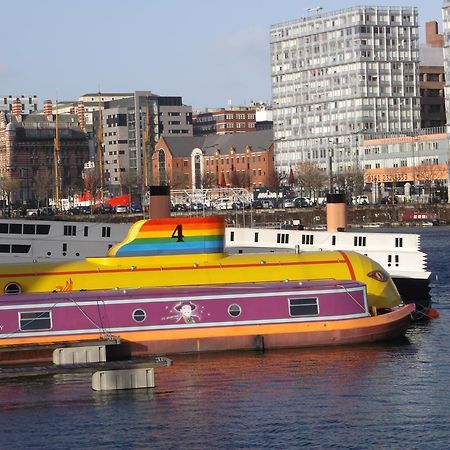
x=383 y=396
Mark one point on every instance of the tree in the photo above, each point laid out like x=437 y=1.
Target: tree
x=42 y=185
x=8 y=186
x=92 y=183
x=209 y=180
x=179 y=181
x=311 y=178
x=240 y=179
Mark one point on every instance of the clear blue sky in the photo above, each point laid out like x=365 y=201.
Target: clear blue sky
x=207 y=51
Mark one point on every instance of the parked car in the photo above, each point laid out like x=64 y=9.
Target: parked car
x=135 y=208
x=361 y=200
x=103 y=209
x=121 y=209
x=288 y=203
x=223 y=203
x=262 y=204
x=301 y=202
x=389 y=200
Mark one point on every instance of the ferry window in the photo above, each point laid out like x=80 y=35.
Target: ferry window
x=399 y=242
x=5 y=248
x=64 y=247
x=3 y=227
x=70 y=230
x=13 y=288
x=303 y=306
x=38 y=320
x=232 y=236
x=106 y=231
x=15 y=228
x=86 y=231
x=256 y=237
x=42 y=229
x=333 y=240
x=359 y=241
x=307 y=239
x=139 y=315
x=29 y=229
x=234 y=310
x=18 y=248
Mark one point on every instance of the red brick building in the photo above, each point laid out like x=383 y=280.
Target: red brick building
x=224 y=121
x=27 y=152
x=233 y=160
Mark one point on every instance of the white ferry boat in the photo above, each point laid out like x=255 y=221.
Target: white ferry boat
x=24 y=240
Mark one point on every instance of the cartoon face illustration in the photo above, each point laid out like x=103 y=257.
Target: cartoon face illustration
x=186 y=309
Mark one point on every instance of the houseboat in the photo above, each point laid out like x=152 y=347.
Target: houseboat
x=164 y=320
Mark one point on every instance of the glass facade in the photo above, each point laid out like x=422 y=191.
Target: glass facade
x=342 y=75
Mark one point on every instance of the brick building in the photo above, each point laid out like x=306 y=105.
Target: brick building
x=238 y=119
x=234 y=160
x=27 y=152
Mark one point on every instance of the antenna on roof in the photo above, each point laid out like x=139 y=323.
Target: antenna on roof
x=314 y=9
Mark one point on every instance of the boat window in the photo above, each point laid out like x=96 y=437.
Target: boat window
x=70 y=230
x=106 y=231
x=15 y=228
x=232 y=236
x=234 y=310
x=307 y=239
x=139 y=315
x=256 y=236
x=359 y=241
x=303 y=306
x=19 y=248
x=5 y=248
x=42 y=229
x=3 y=228
x=399 y=242
x=37 y=320
x=12 y=288
x=282 y=238
x=333 y=240
x=86 y=231
x=29 y=229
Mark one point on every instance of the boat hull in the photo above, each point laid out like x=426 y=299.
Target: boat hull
x=189 y=319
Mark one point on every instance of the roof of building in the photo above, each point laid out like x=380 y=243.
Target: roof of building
x=429 y=56
x=256 y=140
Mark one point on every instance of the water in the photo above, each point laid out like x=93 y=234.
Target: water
x=383 y=396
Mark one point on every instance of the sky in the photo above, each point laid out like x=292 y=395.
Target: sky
x=212 y=53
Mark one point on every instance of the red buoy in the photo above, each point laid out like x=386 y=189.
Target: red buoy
x=432 y=313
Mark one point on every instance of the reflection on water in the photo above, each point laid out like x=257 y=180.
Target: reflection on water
x=383 y=396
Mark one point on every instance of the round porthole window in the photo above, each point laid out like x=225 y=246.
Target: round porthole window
x=139 y=315
x=13 y=288
x=234 y=310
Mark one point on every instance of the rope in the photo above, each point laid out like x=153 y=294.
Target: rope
x=351 y=296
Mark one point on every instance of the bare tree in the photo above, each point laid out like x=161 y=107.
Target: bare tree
x=209 y=180
x=310 y=177
x=42 y=185
x=240 y=179
x=8 y=187
x=179 y=181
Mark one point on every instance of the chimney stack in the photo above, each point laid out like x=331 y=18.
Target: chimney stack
x=48 y=108
x=17 y=108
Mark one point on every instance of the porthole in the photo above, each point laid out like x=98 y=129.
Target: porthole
x=234 y=310
x=139 y=315
x=49 y=253
x=13 y=288
x=77 y=254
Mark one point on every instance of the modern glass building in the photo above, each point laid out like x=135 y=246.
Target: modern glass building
x=340 y=76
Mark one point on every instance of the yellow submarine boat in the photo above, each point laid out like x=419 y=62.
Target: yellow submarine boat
x=183 y=251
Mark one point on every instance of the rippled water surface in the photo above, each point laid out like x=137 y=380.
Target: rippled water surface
x=384 y=396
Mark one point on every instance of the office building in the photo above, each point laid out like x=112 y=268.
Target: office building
x=341 y=75
x=28 y=103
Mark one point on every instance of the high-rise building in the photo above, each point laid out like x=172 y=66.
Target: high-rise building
x=340 y=75
x=446 y=33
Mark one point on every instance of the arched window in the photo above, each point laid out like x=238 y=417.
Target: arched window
x=197 y=171
x=162 y=168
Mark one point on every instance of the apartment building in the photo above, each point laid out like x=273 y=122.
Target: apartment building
x=340 y=75
x=29 y=103
x=432 y=78
x=234 y=119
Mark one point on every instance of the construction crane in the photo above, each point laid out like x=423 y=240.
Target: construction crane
x=56 y=162
x=146 y=147
x=101 y=175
